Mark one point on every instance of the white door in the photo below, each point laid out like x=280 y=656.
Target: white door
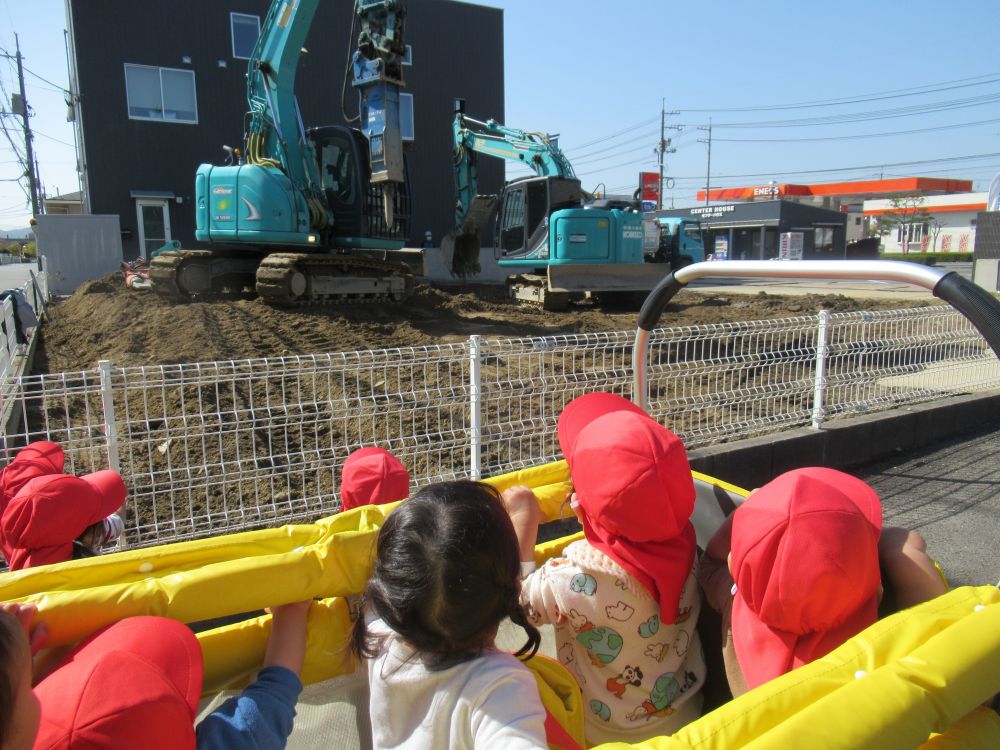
x=154 y=224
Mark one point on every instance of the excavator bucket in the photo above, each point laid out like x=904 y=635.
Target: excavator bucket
x=463 y=241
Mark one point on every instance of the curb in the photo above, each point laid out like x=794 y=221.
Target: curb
x=848 y=442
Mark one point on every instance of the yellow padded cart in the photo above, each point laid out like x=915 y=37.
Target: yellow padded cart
x=916 y=677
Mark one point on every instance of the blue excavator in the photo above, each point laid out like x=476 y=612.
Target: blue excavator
x=559 y=242
x=305 y=216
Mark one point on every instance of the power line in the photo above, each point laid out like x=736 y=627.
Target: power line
x=928 y=88
x=861 y=135
x=642 y=124
x=882 y=114
x=773 y=173
x=65 y=143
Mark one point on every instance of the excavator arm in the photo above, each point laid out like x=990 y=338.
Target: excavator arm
x=539 y=151
x=276 y=136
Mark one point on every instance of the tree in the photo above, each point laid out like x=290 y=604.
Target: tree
x=935 y=231
x=907 y=211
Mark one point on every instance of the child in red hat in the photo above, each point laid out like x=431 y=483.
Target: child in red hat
x=36 y=459
x=137 y=684
x=53 y=518
x=624 y=601
x=372 y=476
x=804 y=554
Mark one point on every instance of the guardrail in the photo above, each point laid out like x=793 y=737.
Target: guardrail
x=219 y=446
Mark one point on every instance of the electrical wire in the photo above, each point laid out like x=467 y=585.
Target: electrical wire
x=861 y=135
x=874 y=96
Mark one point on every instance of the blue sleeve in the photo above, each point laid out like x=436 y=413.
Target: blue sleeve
x=259 y=718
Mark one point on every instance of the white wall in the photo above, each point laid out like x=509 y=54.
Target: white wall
x=78 y=248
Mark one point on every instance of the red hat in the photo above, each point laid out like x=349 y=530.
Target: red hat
x=48 y=513
x=583 y=410
x=372 y=476
x=34 y=460
x=133 y=684
x=633 y=484
x=805 y=562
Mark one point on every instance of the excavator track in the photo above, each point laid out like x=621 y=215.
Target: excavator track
x=190 y=275
x=297 y=279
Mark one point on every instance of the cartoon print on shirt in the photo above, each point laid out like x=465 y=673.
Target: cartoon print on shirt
x=532 y=614
x=601 y=710
x=621 y=584
x=628 y=676
x=649 y=628
x=569 y=661
x=657 y=651
x=683 y=613
x=620 y=612
x=681 y=643
x=603 y=644
x=661 y=697
x=583 y=583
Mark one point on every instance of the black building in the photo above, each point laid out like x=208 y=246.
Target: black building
x=160 y=86
x=751 y=231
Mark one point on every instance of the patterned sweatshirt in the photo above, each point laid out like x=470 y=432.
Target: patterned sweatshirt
x=640 y=678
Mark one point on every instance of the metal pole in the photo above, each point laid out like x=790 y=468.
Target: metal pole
x=708 y=174
x=819 y=388
x=663 y=147
x=28 y=153
x=475 y=409
x=110 y=425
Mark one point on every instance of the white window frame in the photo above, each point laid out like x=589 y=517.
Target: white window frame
x=159 y=70
x=408 y=57
x=160 y=202
x=232 y=36
x=413 y=118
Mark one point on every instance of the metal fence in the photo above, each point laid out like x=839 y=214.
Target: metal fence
x=220 y=446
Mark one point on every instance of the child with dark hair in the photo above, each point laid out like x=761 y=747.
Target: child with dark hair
x=446 y=574
x=19 y=708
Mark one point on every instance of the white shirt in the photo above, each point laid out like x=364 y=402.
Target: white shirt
x=488 y=702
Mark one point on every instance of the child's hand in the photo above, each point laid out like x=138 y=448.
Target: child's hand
x=36 y=632
x=525 y=514
x=521 y=505
x=287 y=645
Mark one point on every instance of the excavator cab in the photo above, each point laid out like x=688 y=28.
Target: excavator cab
x=522 y=227
x=356 y=203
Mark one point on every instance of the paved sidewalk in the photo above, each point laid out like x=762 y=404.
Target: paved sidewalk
x=951 y=495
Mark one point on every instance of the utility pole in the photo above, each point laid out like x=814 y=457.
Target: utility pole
x=708 y=174
x=664 y=148
x=20 y=107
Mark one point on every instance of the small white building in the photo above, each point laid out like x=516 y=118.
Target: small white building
x=950 y=229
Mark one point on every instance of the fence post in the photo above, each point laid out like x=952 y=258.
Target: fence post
x=110 y=425
x=475 y=409
x=819 y=388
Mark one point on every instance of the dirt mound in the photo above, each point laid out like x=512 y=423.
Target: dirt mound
x=105 y=320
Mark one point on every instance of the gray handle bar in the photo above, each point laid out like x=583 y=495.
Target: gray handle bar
x=975 y=303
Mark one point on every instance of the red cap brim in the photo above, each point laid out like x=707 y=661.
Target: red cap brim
x=110 y=489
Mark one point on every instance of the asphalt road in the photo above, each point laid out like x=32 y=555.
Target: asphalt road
x=951 y=495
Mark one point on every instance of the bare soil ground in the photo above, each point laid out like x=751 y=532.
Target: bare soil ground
x=105 y=320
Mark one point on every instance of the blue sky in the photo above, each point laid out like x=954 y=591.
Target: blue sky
x=596 y=72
